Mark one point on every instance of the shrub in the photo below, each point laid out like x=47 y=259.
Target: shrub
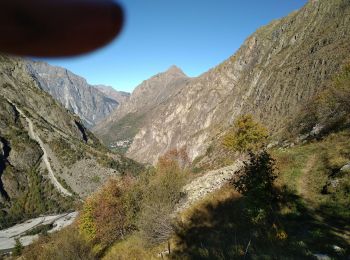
x=161 y=194
x=17 y=251
x=108 y=215
x=246 y=135
x=257 y=177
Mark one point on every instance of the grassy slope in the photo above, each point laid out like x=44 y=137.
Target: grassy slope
x=307 y=223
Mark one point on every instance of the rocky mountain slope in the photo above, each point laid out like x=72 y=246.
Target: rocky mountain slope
x=124 y=122
x=47 y=157
x=277 y=70
x=90 y=103
x=119 y=96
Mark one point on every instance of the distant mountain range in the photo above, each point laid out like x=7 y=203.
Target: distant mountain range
x=90 y=103
x=278 y=70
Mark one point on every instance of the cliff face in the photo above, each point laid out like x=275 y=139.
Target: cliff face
x=74 y=93
x=119 y=96
x=47 y=157
x=276 y=71
x=124 y=122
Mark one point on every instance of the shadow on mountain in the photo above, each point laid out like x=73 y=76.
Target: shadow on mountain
x=229 y=230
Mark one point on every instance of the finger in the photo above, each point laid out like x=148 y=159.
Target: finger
x=53 y=28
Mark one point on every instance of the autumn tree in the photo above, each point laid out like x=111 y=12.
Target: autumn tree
x=246 y=135
x=108 y=215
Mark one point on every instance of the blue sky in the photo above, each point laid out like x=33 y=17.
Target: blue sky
x=195 y=35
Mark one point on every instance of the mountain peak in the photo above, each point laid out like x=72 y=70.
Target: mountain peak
x=175 y=69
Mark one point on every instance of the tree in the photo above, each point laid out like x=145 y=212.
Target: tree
x=246 y=135
x=160 y=196
x=257 y=177
x=107 y=216
x=256 y=182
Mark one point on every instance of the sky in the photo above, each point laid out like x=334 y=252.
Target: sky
x=195 y=35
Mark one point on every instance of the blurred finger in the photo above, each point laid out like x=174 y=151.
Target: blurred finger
x=53 y=28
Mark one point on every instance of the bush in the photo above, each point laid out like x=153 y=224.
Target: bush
x=17 y=251
x=246 y=135
x=108 y=215
x=257 y=176
x=256 y=182
x=161 y=194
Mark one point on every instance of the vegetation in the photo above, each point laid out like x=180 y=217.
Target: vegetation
x=160 y=196
x=293 y=219
x=108 y=215
x=65 y=152
x=125 y=129
x=259 y=215
x=17 y=251
x=40 y=198
x=246 y=135
x=257 y=177
x=64 y=245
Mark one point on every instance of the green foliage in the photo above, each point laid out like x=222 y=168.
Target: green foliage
x=42 y=230
x=246 y=135
x=125 y=129
x=124 y=165
x=41 y=197
x=257 y=177
x=17 y=251
x=66 y=152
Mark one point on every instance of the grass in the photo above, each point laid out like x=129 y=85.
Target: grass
x=307 y=220
x=133 y=247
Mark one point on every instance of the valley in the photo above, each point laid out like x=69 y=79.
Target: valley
x=249 y=160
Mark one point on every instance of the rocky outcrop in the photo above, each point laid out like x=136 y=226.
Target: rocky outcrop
x=74 y=93
x=119 y=96
x=277 y=71
x=206 y=184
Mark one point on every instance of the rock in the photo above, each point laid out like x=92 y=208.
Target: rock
x=322 y=257
x=206 y=184
x=345 y=168
x=90 y=103
x=316 y=130
x=338 y=249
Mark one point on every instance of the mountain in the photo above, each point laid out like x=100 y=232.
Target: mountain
x=91 y=104
x=277 y=70
x=120 y=127
x=119 y=96
x=48 y=159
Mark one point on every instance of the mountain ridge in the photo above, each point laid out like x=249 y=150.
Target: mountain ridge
x=278 y=69
x=89 y=102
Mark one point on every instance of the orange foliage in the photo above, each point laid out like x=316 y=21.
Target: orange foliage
x=174 y=158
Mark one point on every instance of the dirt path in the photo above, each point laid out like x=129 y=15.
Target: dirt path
x=45 y=157
x=303 y=181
